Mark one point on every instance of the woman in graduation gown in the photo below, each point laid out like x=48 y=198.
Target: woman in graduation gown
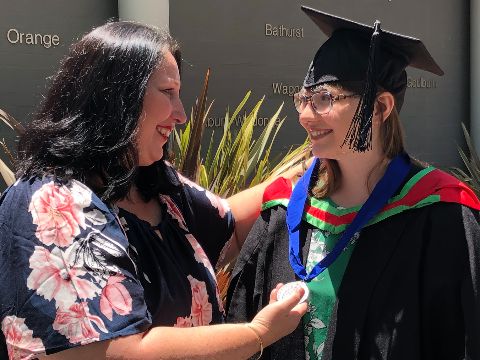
x=388 y=248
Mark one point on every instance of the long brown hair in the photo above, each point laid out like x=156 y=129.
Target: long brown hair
x=392 y=142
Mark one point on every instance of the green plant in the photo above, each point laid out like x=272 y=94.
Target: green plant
x=238 y=160
x=472 y=164
x=188 y=160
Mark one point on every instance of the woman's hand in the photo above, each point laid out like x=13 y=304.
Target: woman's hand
x=280 y=317
x=226 y=341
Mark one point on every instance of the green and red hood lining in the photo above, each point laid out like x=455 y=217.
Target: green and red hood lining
x=426 y=187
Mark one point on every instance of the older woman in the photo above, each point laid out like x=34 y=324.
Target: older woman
x=105 y=250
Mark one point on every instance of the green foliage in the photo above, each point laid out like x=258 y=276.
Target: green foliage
x=239 y=160
x=189 y=159
x=472 y=164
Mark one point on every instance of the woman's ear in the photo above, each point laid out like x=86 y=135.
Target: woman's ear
x=384 y=106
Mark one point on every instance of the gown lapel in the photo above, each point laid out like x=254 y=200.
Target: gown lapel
x=367 y=265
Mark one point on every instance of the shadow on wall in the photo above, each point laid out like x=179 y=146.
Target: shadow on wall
x=7 y=170
x=471 y=160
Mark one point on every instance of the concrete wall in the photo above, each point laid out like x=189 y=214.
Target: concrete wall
x=236 y=39
x=264 y=46
x=34 y=36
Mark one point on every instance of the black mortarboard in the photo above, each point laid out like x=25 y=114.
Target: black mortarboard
x=358 y=52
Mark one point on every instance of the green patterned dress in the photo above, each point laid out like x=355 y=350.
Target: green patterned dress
x=323 y=289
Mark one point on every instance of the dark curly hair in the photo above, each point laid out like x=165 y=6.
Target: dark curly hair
x=87 y=123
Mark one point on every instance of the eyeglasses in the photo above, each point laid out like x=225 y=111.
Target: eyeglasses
x=322 y=101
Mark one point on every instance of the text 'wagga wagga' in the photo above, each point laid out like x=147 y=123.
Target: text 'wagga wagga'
x=279 y=88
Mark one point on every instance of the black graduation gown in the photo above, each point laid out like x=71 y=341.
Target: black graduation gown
x=411 y=289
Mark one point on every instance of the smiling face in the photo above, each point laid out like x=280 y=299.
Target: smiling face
x=327 y=131
x=162 y=110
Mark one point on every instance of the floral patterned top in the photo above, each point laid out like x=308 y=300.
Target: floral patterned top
x=70 y=274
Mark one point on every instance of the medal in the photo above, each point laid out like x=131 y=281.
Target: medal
x=289 y=289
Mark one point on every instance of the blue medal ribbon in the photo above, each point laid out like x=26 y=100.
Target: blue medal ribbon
x=394 y=176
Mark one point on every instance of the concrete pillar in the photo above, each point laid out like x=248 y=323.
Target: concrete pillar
x=150 y=12
x=475 y=73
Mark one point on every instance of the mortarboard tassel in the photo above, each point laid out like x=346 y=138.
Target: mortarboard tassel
x=359 y=135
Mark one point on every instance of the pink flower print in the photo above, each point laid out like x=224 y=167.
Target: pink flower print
x=219 y=301
x=174 y=211
x=76 y=324
x=183 y=322
x=54 y=278
x=200 y=255
x=58 y=213
x=169 y=164
x=187 y=181
x=216 y=201
x=115 y=296
x=201 y=308
x=202 y=258
x=19 y=339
